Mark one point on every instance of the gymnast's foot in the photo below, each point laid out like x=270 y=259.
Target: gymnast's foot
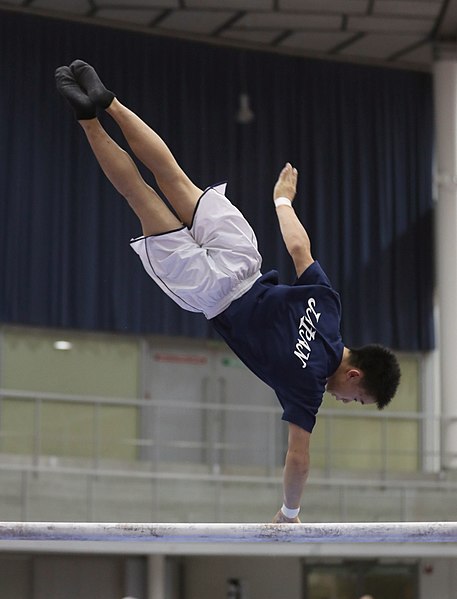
x=88 y=79
x=80 y=102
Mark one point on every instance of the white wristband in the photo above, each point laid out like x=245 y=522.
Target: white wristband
x=283 y=202
x=288 y=513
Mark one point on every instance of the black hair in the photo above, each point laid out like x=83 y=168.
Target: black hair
x=381 y=371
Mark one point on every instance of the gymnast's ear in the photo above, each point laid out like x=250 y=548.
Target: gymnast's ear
x=354 y=373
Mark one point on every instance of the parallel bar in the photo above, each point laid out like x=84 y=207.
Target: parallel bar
x=368 y=532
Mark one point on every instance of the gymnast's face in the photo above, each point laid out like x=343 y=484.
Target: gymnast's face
x=346 y=386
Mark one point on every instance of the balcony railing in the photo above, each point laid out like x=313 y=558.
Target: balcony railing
x=92 y=443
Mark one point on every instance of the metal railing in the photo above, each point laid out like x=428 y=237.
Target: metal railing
x=214 y=445
x=212 y=459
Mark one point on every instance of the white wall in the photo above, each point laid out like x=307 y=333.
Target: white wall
x=261 y=577
x=438 y=579
x=15 y=577
x=61 y=577
x=31 y=576
x=76 y=578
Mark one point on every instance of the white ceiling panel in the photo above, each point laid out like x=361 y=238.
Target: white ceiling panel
x=231 y=4
x=385 y=24
x=382 y=46
x=128 y=15
x=151 y=4
x=290 y=21
x=193 y=21
x=448 y=25
x=72 y=6
x=421 y=55
x=316 y=41
x=412 y=8
x=381 y=29
x=255 y=36
x=326 y=6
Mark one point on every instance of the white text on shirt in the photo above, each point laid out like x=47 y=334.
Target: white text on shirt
x=307 y=332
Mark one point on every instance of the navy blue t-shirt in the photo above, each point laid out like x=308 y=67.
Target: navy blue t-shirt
x=289 y=336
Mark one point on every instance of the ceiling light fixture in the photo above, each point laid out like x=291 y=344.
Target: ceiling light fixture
x=245 y=114
x=63 y=345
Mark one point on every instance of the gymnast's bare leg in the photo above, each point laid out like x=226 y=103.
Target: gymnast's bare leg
x=154 y=215
x=145 y=143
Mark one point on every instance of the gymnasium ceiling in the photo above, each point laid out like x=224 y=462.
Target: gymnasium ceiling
x=394 y=32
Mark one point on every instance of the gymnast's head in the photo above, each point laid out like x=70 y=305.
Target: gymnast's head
x=367 y=375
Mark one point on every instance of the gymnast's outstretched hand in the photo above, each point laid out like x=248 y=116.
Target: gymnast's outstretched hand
x=286 y=185
x=281 y=519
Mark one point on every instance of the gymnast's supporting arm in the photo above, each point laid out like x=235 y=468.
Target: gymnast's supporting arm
x=296 y=471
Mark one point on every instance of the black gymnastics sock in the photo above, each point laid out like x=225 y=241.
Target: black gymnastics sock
x=88 y=79
x=70 y=90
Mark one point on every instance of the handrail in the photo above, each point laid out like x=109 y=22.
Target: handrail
x=218 y=444
x=226 y=407
x=400 y=484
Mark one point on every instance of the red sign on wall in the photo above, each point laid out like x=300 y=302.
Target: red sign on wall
x=181 y=359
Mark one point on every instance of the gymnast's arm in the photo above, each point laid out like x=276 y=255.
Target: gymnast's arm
x=294 y=234
x=296 y=470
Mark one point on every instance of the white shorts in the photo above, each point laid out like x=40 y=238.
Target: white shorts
x=206 y=267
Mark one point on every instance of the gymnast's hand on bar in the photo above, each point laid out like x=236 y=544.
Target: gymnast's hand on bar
x=281 y=519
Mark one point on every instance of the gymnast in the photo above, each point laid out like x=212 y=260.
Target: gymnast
x=205 y=258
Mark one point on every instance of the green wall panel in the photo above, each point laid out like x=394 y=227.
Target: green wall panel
x=98 y=365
